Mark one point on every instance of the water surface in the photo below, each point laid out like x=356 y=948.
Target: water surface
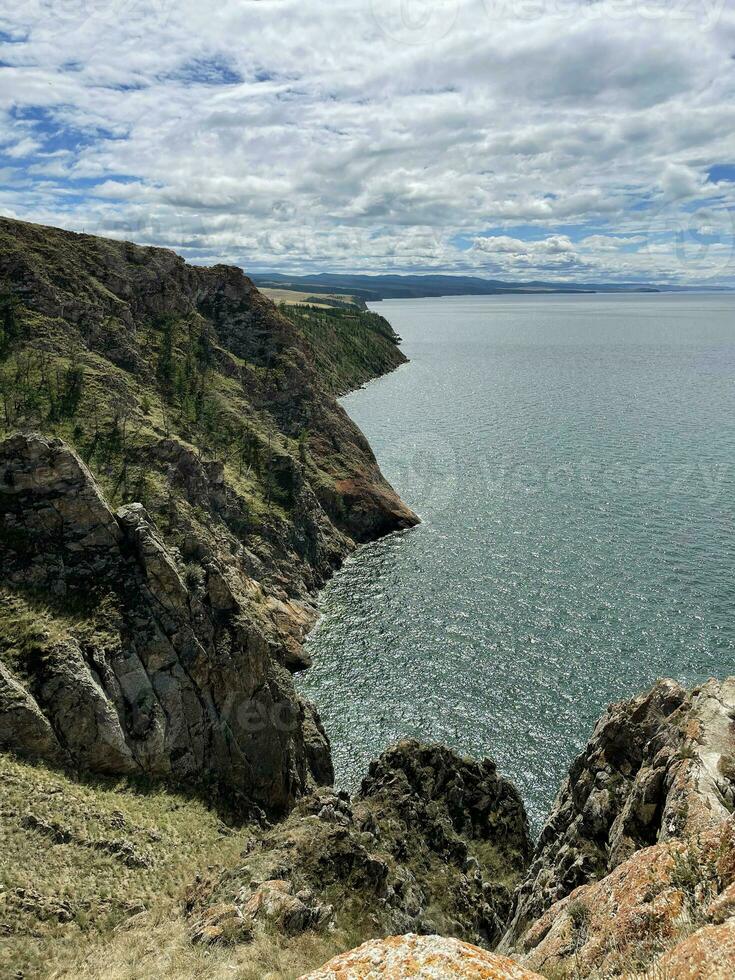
x=572 y=461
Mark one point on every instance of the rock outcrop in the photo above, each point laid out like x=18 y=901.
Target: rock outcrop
x=161 y=560
x=639 y=849
x=168 y=682
x=431 y=843
x=651 y=772
x=402 y=957
x=665 y=905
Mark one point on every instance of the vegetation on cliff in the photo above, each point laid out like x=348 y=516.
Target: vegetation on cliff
x=183 y=398
x=176 y=481
x=432 y=843
x=348 y=346
x=114 y=347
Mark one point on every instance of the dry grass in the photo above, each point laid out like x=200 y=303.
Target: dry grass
x=92 y=883
x=81 y=859
x=159 y=946
x=292 y=297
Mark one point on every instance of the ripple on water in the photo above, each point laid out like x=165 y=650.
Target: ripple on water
x=572 y=459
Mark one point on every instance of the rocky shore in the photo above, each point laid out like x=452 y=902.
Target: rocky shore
x=176 y=483
x=633 y=874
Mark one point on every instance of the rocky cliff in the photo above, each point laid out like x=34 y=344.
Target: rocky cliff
x=634 y=869
x=176 y=482
x=432 y=843
x=633 y=874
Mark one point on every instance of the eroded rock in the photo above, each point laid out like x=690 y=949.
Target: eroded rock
x=431 y=843
x=399 y=957
x=164 y=681
x=651 y=862
x=654 y=770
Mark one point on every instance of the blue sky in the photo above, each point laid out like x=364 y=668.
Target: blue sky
x=517 y=139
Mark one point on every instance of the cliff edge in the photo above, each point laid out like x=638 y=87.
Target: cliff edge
x=176 y=483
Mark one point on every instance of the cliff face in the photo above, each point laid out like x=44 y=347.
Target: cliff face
x=432 y=843
x=182 y=485
x=653 y=771
x=635 y=866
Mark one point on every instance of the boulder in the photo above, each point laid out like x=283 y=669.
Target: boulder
x=399 y=957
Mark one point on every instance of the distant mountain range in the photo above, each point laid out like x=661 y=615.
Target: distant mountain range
x=376 y=287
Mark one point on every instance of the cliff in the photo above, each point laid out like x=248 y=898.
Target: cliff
x=634 y=870
x=176 y=482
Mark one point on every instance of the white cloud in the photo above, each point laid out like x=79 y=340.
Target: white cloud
x=533 y=138
x=679 y=181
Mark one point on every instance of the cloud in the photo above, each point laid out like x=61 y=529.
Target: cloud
x=679 y=181
x=474 y=136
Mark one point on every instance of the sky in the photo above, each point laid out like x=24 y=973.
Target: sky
x=514 y=139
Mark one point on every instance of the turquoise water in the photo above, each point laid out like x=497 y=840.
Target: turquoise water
x=572 y=459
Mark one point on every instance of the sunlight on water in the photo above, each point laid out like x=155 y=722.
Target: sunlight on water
x=573 y=461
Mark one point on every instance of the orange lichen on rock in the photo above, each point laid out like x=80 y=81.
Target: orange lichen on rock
x=646 y=906
x=430 y=957
x=709 y=953
x=599 y=925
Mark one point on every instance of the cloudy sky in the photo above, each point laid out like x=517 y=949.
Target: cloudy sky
x=521 y=139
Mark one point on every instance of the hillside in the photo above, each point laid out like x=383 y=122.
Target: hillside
x=177 y=480
x=190 y=485
x=348 y=347
x=370 y=288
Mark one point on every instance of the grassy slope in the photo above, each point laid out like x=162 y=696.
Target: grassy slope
x=349 y=347
x=93 y=879
x=79 y=859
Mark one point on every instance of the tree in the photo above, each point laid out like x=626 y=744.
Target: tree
x=9 y=325
x=165 y=365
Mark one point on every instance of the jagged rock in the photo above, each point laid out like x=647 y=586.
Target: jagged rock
x=56 y=529
x=22 y=723
x=402 y=957
x=646 y=906
x=178 y=686
x=477 y=803
x=432 y=842
x=649 y=773
x=661 y=859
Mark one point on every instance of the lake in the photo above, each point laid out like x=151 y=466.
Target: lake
x=572 y=460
